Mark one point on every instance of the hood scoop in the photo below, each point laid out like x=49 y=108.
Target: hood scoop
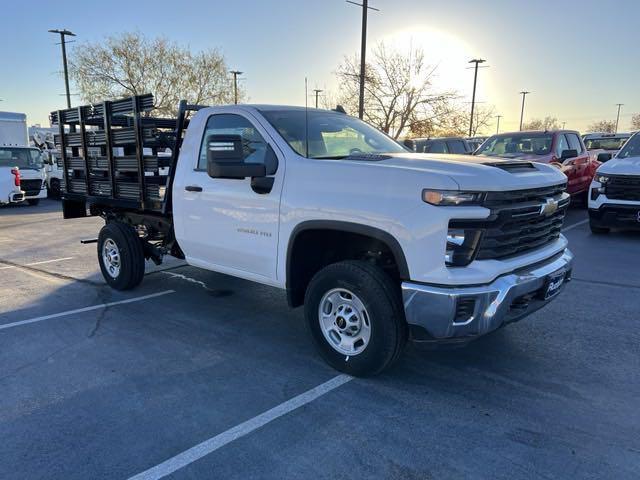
x=513 y=167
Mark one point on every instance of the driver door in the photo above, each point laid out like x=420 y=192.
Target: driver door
x=227 y=225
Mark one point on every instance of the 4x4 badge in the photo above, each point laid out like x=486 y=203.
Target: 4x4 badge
x=549 y=207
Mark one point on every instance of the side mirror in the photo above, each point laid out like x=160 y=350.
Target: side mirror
x=225 y=159
x=566 y=154
x=604 y=157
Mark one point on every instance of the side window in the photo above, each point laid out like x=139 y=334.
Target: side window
x=436 y=146
x=561 y=145
x=456 y=146
x=574 y=142
x=254 y=147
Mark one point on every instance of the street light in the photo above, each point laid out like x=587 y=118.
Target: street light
x=317 y=91
x=473 y=96
x=63 y=41
x=524 y=94
x=498 y=124
x=618 y=117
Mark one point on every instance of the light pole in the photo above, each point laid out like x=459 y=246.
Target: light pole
x=317 y=91
x=498 y=124
x=63 y=41
x=363 y=51
x=235 y=74
x=473 y=96
x=618 y=116
x=524 y=94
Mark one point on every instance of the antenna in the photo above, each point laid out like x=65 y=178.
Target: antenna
x=306 y=117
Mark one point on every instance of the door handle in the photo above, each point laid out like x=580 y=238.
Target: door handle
x=193 y=188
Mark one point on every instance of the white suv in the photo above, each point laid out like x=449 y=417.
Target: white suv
x=614 y=199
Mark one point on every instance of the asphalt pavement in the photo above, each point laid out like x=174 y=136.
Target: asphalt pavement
x=200 y=375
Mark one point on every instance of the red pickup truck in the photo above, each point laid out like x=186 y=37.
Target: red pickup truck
x=561 y=148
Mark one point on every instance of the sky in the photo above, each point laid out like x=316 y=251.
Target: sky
x=578 y=58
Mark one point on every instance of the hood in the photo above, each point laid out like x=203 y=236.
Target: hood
x=476 y=173
x=621 y=166
x=527 y=157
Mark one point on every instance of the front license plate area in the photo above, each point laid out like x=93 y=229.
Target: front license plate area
x=553 y=284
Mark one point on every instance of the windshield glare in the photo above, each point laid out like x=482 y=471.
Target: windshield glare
x=606 y=143
x=631 y=148
x=517 y=144
x=331 y=135
x=26 y=158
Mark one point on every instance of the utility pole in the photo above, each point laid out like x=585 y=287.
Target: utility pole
x=524 y=94
x=498 y=125
x=473 y=96
x=317 y=91
x=618 y=117
x=235 y=74
x=563 y=124
x=363 y=52
x=63 y=41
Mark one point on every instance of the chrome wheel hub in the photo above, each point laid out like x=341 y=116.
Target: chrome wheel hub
x=111 y=257
x=344 y=321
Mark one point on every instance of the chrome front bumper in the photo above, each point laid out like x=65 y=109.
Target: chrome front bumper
x=458 y=314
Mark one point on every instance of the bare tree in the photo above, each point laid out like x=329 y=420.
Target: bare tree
x=605 y=126
x=451 y=119
x=635 y=122
x=398 y=89
x=548 y=123
x=131 y=64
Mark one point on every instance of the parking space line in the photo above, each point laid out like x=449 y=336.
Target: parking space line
x=39 y=263
x=85 y=309
x=570 y=227
x=214 y=443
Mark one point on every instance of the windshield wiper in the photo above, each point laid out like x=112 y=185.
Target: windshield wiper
x=330 y=157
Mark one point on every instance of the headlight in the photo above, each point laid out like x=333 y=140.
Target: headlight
x=461 y=246
x=452 y=197
x=601 y=178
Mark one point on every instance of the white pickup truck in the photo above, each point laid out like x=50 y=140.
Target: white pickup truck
x=380 y=245
x=614 y=199
x=10 y=185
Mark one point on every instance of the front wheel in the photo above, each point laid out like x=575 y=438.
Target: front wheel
x=121 y=256
x=355 y=315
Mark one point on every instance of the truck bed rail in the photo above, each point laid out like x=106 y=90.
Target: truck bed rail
x=114 y=154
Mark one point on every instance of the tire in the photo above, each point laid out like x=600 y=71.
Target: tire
x=33 y=201
x=374 y=290
x=121 y=256
x=54 y=188
x=598 y=230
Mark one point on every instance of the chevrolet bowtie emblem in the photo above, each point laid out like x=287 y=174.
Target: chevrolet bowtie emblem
x=549 y=207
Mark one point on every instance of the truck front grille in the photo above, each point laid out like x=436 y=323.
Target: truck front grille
x=520 y=221
x=625 y=187
x=31 y=187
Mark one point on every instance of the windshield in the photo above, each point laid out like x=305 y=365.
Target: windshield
x=26 y=158
x=631 y=148
x=606 y=143
x=331 y=135
x=517 y=144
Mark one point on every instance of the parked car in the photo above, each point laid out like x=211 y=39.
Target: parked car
x=562 y=148
x=10 y=185
x=32 y=174
x=475 y=142
x=452 y=145
x=378 y=244
x=614 y=201
x=598 y=143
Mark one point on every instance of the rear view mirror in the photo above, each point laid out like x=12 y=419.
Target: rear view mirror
x=604 y=157
x=225 y=158
x=566 y=154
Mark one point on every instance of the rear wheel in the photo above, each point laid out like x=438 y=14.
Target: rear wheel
x=33 y=201
x=54 y=188
x=121 y=256
x=355 y=316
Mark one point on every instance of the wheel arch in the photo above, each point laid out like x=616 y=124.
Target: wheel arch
x=295 y=291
